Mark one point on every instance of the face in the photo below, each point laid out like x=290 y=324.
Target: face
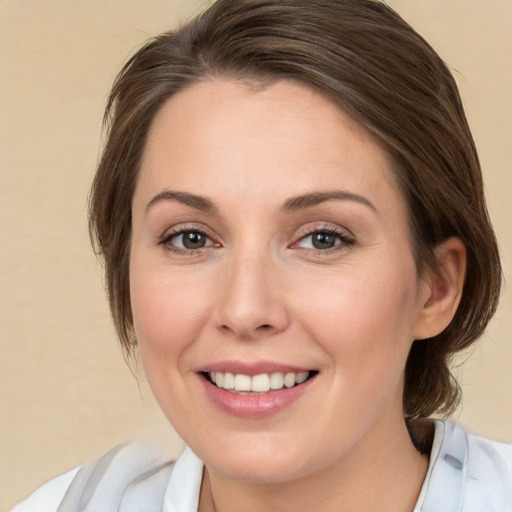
x=271 y=256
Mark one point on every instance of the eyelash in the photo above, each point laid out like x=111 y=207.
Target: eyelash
x=344 y=240
x=165 y=241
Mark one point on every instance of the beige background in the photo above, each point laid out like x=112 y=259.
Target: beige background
x=65 y=392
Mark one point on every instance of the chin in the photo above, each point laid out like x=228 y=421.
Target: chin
x=258 y=471
x=264 y=462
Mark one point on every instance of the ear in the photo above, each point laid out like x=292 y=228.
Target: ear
x=441 y=291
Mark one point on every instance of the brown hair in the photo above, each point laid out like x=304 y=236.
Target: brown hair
x=370 y=62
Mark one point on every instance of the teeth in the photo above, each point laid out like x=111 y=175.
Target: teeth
x=242 y=382
x=289 y=380
x=276 y=381
x=259 y=383
x=229 y=381
x=301 y=377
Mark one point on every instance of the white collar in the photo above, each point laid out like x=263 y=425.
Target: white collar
x=182 y=494
x=465 y=470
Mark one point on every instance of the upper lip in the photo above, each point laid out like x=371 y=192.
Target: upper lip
x=251 y=368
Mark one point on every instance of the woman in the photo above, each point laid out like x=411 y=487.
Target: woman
x=291 y=215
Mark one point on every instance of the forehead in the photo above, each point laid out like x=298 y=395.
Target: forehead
x=224 y=137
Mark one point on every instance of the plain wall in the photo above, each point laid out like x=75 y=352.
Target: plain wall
x=66 y=394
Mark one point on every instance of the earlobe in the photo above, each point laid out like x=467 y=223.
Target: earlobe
x=443 y=290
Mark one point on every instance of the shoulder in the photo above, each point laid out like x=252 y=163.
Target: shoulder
x=47 y=497
x=481 y=446
x=483 y=457
x=130 y=473
x=488 y=472
x=468 y=472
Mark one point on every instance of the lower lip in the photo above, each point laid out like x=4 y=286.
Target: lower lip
x=254 y=406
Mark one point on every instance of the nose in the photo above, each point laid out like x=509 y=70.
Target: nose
x=252 y=303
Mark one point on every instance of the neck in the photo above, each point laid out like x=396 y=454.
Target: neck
x=381 y=473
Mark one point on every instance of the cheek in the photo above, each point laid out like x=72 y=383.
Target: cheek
x=365 y=321
x=168 y=314
x=167 y=311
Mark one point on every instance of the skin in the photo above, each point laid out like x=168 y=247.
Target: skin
x=259 y=290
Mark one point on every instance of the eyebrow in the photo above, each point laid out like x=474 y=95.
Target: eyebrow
x=314 y=198
x=198 y=202
x=292 y=204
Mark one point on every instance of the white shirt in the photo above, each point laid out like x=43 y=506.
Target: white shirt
x=466 y=473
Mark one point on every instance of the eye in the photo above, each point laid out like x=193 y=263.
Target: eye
x=320 y=241
x=324 y=239
x=187 y=240
x=191 y=240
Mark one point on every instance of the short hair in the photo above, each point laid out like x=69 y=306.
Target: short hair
x=368 y=61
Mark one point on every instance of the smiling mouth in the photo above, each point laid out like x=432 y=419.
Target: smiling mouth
x=258 y=384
